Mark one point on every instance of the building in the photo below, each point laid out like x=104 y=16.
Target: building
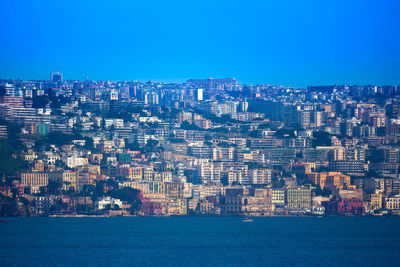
x=211 y=83
x=108 y=203
x=56 y=77
x=135 y=173
x=351 y=167
x=243 y=201
x=69 y=180
x=331 y=180
x=260 y=176
x=42 y=129
x=75 y=161
x=34 y=179
x=278 y=197
x=344 y=206
x=176 y=206
x=376 y=201
x=298 y=198
x=393 y=203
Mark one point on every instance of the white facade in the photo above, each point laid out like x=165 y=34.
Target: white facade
x=102 y=204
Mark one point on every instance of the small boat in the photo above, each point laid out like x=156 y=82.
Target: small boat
x=247 y=220
x=3 y=221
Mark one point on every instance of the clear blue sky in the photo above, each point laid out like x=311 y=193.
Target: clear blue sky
x=295 y=43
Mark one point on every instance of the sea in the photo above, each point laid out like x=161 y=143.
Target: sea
x=200 y=241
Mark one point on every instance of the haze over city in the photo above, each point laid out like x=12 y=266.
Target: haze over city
x=293 y=43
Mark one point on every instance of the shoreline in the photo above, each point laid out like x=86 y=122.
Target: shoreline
x=199 y=216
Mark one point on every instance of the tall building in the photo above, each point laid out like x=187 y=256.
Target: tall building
x=199 y=94
x=10 y=89
x=56 y=76
x=211 y=83
x=42 y=129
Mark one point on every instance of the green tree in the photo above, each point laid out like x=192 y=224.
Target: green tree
x=130 y=195
x=321 y=138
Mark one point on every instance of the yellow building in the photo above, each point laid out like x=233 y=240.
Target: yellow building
x=393 y=203
x=376 y=201
x=34 y=179
x=174 y=190
x=70 y=177
x=166 y=176
x=148 y=174
x=278 y=197
x=176 y=206
x=298 y=198
x=135 y=173
x=318 y=178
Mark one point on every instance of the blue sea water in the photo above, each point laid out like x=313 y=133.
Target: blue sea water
x=200 y=241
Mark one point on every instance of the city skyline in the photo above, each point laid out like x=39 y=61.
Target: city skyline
x=185 y=81
x=286 y=43
x=184 y=133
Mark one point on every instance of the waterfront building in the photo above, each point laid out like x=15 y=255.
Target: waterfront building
x=344 y=206
x=393 y=203
x=331 y=180
x=278 y=197
x=298 y=198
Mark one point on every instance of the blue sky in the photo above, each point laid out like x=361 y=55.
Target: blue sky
x=287 y=42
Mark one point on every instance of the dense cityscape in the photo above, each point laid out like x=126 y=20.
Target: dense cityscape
x=201 y=147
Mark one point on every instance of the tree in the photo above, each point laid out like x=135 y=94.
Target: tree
x=253 y=134
x=8 y=206
x=130 y=195
x=208 y=143
x=132 y=146
x=151 y=144
x=322 y=192
x=220 y=130
x=321 y=138
x=285 y=133
x=208 y=137
x=10 y=151
x=59 y=138
x=2 y=91
x=188 y=126
x=177 y=140
x=40 y=101
x=89 y=145
x=10 y=160
x=225 y=144
x=53 y=188
x=375 y=155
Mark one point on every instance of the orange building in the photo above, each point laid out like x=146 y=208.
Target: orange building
x=330 y=180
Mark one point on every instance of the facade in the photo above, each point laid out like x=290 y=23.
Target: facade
x=298 y=198
x=260 y=176
x=35 y=179
x=108 y=202
x=331 y=180
x=70 y=180
x=344 y=206
x=278 y=197
x=376 y=201
x=393 y=203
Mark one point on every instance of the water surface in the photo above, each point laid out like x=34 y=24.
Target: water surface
x=200 y=241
